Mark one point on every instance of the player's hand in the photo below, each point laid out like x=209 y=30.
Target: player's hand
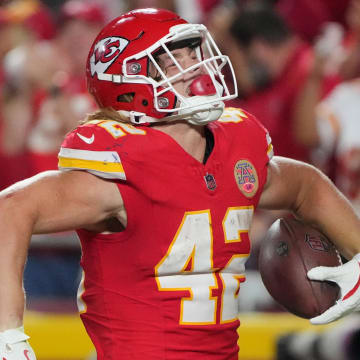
x=347 y=276
x=14 y=345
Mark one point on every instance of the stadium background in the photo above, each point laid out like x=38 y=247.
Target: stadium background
x=52 y=273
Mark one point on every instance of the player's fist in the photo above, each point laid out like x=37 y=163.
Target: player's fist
x=347 y=276
x=14 y=345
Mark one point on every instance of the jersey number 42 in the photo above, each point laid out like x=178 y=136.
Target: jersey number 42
x=188 y=265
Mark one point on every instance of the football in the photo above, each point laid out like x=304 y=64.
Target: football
x=289 y=250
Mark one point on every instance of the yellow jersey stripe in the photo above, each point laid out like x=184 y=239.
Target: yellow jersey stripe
x=270 y=149
x=106 y=167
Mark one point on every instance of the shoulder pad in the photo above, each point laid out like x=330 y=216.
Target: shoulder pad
x=92 y=147
x=237 y=115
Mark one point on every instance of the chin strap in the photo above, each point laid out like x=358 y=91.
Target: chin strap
x=200 y=116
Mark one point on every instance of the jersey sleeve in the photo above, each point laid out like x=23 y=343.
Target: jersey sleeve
x=93 y=147
x=262 y=149
x=254 y=129
x=265 y=138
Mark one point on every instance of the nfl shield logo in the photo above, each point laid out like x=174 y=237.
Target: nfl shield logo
x=210 y=181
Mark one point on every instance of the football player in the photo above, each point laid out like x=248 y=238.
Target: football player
x=161 y=184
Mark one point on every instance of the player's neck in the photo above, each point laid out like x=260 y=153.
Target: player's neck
x=190 y=137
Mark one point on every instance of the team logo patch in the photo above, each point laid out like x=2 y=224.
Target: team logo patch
x=210 y=181
x=317 y=243
x=106 y=51
x=246 y=178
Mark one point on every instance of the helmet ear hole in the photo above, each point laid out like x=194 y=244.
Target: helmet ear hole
x=126 y=98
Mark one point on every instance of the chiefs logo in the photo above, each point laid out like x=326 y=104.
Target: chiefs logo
x=106 y=51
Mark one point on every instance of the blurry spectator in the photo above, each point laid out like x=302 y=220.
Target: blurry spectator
x=331 y=126
x=328 y=55
x=22 y=24
x=198 y=11
x=351 y=66
x=334 y=129
x=307 y=17
x=32 y=15
x=114 y=8
x=165 y=4
x=44 y=97
x=46 y=83
x=271 y=64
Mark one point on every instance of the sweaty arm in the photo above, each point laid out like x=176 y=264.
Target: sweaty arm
x=49 y=202
x=314 y=199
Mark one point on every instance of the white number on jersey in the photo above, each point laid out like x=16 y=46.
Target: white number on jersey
x=188 y=265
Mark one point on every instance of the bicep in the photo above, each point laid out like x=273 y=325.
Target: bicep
x=59 y=201
x=286 y=184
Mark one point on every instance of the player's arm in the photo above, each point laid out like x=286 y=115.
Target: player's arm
x=307 y=192
x=49 y=202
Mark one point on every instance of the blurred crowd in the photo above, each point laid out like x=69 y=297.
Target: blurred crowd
x=297 y=64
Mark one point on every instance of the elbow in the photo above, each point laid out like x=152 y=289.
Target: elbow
x=17 y=211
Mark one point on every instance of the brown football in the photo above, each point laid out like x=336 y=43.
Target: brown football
x=290 y=249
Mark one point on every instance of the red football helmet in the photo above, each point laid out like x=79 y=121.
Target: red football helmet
x=121 y=56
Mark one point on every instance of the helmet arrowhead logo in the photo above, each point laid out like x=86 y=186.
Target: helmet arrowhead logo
x=106 y=51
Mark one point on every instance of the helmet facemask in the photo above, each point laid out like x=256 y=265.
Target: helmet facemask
x=205 y=101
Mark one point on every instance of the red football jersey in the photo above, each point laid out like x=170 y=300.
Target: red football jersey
x=167 y=286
